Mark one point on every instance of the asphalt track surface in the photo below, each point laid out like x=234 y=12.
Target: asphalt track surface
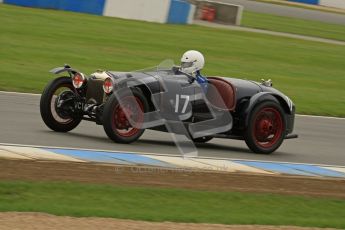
x=322 y=140
x=289 y=11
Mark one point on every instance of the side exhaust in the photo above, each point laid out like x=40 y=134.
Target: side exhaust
x=291 y=136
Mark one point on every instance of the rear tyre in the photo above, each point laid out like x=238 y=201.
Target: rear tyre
x=266 y=129
x=56 y=104
x=116 y=122
x=202 y=139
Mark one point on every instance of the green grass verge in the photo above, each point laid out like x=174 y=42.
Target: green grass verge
x=177 y=205
x=293 y=25
x=33 y=41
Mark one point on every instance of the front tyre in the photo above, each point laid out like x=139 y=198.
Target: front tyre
x=122 y=119
x=56 y=105
x=266 y=129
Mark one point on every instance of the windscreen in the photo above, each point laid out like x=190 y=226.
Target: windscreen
x=165 y=67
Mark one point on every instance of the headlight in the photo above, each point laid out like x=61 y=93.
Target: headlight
x=78 y=80
x=108 y=85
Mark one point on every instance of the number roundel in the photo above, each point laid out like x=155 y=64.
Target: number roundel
x=183 y=103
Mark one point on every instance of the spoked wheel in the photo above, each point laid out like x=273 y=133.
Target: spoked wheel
x=57 y=102
x=132 y=107
x=266 y=130
x=122 y=119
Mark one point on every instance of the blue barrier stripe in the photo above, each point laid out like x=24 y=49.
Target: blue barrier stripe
x=82 y=6
x=37 y=3
x=274 y=167
x=313 y=2
x=315 y=170
x=89 y=156
x=178 y=12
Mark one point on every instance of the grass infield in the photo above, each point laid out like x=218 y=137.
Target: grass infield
x=177 y=205
x=293 y=25
x=33 y=41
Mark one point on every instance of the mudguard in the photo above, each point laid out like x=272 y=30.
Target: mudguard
x=284 y=101
x=65 y=68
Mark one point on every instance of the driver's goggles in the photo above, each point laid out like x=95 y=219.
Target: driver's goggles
x=186 y=64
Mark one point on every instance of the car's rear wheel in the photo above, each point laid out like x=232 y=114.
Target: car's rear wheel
x=56 y=105
x=266 y=129
x=123 y=116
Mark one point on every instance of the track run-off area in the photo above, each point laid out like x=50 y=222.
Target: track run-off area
x=321 y=139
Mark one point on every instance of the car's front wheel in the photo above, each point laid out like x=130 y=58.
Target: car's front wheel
x=123 y=115
x=266 y=129
x=57 y=103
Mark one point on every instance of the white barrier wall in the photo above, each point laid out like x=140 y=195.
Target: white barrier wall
x=333 y=3
x=146 y=10
x=191 y=14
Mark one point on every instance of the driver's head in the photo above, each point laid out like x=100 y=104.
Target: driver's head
x=192 y=61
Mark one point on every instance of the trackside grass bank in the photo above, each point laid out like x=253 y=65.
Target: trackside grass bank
x=33 y=41
x=293 y=25
x=177 y=205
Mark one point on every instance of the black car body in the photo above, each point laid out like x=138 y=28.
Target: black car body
x=165 y=99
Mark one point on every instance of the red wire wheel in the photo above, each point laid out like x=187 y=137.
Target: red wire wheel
x=122 y=119
x=266 y=129
x=130 y=107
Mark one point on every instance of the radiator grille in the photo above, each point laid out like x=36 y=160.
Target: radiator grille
x=95 y=90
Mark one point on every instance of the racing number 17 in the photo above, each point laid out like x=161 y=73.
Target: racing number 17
x=177 y=103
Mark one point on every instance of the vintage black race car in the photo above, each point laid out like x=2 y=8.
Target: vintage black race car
x=165 y=99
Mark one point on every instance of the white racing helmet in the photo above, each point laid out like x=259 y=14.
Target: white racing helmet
x=192 y=61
